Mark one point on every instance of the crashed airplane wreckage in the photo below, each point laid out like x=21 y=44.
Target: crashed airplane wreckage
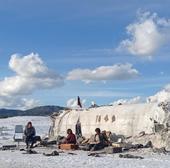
x=128 y=120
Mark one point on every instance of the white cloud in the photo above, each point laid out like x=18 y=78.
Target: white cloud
x=106 y=93
x=146 y=35
x=28 y=66
x=104 y=73
x=167 y=87
x=72 y=103
x=28 y=103
x=161 y=96
x=134 y=100
x=18 y=102
x=31 y=74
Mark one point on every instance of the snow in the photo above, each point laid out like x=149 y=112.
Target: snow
x=16 y=158
x=7 y=126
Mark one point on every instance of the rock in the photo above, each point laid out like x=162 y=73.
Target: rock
x=128 y=156
x=94 y=154
x=70 y=153
x=30 y=152
x=111 y=150
x=137 y=146
x=158 y=127
x=160 y=150
x=142 y=133
x=9 y=147
x=47 y=143
x=54 y=153
x=113 y=137
x=148 y=145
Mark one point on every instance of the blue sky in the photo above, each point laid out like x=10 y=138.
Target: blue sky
x=71 y=34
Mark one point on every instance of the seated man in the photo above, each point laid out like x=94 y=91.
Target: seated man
x=29 y=133
x=105 y=138
x=98 y=142
x=71 y=138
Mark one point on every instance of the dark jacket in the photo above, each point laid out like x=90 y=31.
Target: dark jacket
x=71 y=139
x=99 y=139
x=29 y=132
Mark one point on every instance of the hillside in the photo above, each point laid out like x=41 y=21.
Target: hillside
x=37 y=111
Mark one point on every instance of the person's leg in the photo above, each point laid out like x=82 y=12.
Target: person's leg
x=27 y=145
x=90 y=146
x=32 y=140
x=27 y=142
x=97 y=147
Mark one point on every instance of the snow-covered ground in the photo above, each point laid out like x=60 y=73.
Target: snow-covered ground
x=16 y=158
x=7 y=126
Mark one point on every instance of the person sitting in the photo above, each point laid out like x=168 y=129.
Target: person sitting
x=105 y=139
x=98 y=142
x=71 y=138
x=29 y=133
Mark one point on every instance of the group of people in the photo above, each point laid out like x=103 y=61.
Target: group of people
x=31 y=138
x=99 y=140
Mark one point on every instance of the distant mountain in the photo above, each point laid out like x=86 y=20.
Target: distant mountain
x=4 y=113
x=37 y=111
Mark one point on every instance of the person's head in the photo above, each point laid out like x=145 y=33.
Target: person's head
x=104 y=132
x=109 y=133
x=97 y=130
x=29 y=124
x=69 y=131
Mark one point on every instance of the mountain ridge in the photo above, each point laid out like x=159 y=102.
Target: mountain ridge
x=37 y=111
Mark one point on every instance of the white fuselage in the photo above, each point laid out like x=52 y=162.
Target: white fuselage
x=128 y=120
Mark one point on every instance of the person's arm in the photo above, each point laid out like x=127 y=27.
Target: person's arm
x=97 y=139
x=68 y=138
x=33 y=132
x=73 y=139
x=92 y=139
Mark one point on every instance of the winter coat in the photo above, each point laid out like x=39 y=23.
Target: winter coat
x=71 y=139
x=29 y=132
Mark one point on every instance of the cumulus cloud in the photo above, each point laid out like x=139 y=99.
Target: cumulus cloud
x=134 y=100
x=72 y=103
x=104 y=73
x=161 y=96
x=18 y=102
x=30 y=74
x=146 y=35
